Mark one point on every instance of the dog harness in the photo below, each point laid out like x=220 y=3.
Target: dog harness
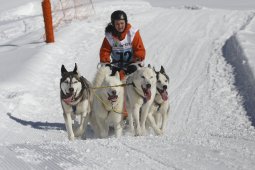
x=122 y=51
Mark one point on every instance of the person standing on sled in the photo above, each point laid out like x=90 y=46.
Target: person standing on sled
x=122 y=46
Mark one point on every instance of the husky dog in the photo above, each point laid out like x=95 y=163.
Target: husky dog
x=139 y=97
x=107 y=103
x=76 y=98
x=158 y=114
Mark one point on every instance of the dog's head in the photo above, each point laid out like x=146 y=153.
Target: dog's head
x=110 y=92
x=70 y=84
x=145 y=80
x=162 y=83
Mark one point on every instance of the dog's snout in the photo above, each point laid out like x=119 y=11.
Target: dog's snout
x=148 y=85
x=71 y=89
x=165 y=87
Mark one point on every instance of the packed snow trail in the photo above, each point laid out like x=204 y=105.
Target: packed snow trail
x=208 y=127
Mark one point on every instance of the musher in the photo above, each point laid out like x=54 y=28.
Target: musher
x=122 y=46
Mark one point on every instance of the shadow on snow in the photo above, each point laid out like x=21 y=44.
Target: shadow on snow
x=39 y=125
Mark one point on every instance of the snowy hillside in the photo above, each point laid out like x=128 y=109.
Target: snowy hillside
x=207 y=52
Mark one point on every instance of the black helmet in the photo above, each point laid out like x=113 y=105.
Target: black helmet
x=118 y=15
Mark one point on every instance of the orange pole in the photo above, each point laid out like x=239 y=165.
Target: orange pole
x=46 y=6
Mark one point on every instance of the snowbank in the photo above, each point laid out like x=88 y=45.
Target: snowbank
x=239 y=51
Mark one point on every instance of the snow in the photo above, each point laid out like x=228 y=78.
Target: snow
x=206 y=47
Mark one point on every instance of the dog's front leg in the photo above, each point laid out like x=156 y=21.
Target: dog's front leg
x=81 y=129
x=118 y=129
x=164 y=114
x=144 y=114
x=104 y=128
x=153 y=124
x=68 y=123
x=158 y=118
x=130 y=120
x=164 y=122
x=136 y=116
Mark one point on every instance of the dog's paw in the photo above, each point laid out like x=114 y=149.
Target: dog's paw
x=159 y=132
x=78 y=132
x=138 y=132
x=71 y=137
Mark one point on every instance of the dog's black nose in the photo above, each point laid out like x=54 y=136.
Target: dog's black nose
x=71 y=89
x=165 y=87
x=114 y=92
x=148 y=86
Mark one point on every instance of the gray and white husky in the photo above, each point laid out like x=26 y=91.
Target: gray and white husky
x=76 y=99
x=139 y=97
x=158 y=115
x=107 y=103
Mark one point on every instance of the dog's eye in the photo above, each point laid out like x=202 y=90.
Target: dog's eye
x=143 y=77
x=66 y=82
x=75 y=82
x=166 y=81
x=159 y=81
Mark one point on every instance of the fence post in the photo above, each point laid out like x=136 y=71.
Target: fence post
x=46 y=7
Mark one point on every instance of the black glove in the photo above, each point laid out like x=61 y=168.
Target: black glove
x=114 y=70
x=131 y=69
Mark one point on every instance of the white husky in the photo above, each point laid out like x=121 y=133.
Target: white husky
x=139 y=97
x=107 y=103
x=158 y=114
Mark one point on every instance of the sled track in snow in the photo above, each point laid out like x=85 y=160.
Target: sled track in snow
x=244 y=78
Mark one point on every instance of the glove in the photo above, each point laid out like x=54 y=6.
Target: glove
x=130 y=69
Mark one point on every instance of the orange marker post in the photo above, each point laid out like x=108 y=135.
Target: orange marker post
x=46 y=6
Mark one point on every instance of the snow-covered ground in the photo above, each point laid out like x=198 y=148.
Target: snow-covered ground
x=206 y=47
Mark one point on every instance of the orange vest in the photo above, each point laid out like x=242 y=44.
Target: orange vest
x=128 y=47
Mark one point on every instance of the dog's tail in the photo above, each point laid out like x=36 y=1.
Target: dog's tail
x=102 y=72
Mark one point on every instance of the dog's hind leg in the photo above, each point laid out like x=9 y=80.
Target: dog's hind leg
x=68 y=123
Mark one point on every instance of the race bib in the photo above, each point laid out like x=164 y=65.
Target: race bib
x=123 y=53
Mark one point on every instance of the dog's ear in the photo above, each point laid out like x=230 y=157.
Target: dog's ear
x=162 y=70
x=117 y=74
x=63 y=70
x=75 y=70
x=154 y=70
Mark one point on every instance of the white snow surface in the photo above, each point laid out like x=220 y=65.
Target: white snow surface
x=208 y=53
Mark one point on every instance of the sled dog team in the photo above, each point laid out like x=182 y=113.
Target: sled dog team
x=101 y=104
